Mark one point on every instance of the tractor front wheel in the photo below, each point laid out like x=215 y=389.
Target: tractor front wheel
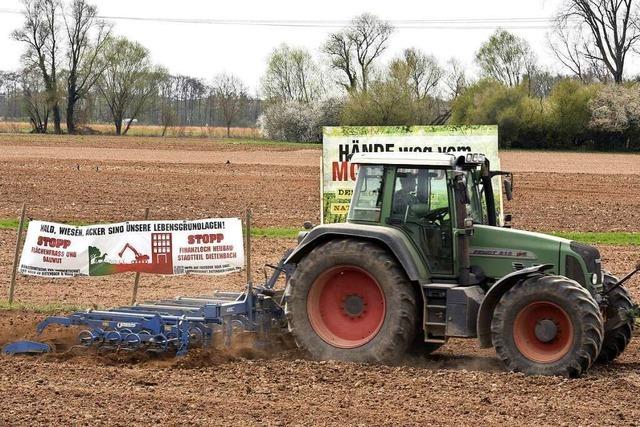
x=350 y=300
x=547 y=325
x=618 y=326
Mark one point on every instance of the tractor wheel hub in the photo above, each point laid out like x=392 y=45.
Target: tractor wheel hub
x=353 y=305
x=346 y=306
x=546 y=330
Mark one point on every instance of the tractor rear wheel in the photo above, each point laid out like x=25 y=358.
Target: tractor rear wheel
x=618 y=326
x=350 y=300
x=547 y=325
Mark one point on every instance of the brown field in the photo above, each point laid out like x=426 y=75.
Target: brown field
x=148 y=130
x=189 y=178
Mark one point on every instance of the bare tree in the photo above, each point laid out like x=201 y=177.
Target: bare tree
x=506 y=58
x=339 y=48
x=454 y=81
x=35 y=99
x=128 y=81
x=604 y=31
x=85 y=36
x=231 y=96
x=292 y=75
x=354 y=50
x=10 y=94
x=455 y=78
x=40 y=34
x=569 y=45
x=542 y=82
x=422 y=72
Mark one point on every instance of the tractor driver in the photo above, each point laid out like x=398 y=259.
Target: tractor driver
x=405 y=196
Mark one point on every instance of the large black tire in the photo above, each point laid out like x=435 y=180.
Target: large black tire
x=396 y=322
x=547 y=325
x=618 y=326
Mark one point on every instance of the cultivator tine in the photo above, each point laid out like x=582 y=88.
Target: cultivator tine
x=131 y=342
x=88 y=338
x=228 y=330
x=158 y=343
x=112 y=340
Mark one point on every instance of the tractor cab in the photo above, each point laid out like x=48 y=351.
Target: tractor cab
x=433 y=198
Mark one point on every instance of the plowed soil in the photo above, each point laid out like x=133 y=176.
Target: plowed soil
x=112 y=179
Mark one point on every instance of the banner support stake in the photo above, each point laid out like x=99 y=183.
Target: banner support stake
x=12 y=287
x=248 y=249
x=137 y=279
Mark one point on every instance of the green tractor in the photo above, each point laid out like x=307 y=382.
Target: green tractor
x=422 y=259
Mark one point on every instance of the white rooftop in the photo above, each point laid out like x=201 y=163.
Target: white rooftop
x=406 y=158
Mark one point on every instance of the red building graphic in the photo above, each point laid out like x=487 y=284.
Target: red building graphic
x=161 y=254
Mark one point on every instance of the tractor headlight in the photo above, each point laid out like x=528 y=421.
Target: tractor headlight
x=594 y=279
x=476 y=158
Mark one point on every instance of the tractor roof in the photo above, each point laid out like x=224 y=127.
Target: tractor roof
x=417 y=159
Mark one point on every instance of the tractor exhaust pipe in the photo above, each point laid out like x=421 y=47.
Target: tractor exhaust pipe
x=464 y=226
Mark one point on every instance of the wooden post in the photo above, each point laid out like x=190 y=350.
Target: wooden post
x=247 y=260
x=137 y=279
x=12 y=287
x=248 y=249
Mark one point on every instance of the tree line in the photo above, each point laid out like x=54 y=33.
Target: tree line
x=76 y=70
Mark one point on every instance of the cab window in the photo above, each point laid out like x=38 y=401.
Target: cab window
x=419 y=191
x=477 y=207
x=367 y=196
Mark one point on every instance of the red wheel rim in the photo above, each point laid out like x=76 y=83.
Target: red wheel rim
x=346 y=306
x=543 y=332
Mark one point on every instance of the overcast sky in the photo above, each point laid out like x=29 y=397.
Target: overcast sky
x=202 y=50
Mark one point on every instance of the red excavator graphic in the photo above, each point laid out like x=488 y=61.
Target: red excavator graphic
x=160 y=261
x=140 y=258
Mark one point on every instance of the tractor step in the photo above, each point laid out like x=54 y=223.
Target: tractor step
x=435 y=318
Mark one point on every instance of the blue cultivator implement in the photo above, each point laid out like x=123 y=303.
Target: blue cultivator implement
x=174 y=325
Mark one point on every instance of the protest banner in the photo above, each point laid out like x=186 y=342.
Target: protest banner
x=208 y=246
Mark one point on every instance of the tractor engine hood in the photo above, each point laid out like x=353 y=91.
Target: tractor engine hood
x=499 y=251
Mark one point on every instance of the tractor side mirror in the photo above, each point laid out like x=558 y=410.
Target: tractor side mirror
x=508 y=188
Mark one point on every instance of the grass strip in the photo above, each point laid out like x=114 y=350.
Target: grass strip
x=48 y=308
x=9 y=223
x=616 y=238
x=276 y=232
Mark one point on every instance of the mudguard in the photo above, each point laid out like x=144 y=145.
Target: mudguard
x=394 y=240
x=493 y=295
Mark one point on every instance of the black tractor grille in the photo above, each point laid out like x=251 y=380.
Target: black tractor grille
x=591 y=257
x=574 y=270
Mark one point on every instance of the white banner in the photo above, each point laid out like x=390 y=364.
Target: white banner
x=338 y=143
x=208 y=246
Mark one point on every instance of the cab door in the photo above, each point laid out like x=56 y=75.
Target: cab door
x=421 y=206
